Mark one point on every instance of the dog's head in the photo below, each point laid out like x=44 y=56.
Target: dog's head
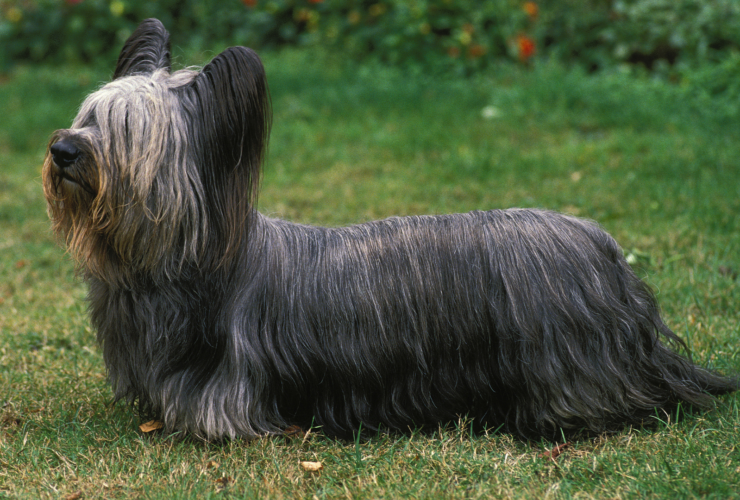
x=160 y=170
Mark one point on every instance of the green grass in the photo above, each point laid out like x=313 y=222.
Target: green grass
x=657 y=166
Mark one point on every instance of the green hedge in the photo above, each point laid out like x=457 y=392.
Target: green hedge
x=668 y=37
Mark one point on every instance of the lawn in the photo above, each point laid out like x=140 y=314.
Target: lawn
x=656 y=164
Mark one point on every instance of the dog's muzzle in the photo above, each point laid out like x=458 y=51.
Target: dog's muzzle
x=64 y=153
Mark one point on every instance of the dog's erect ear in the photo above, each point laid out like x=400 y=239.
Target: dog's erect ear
x=228 y=104
x=146 y=50
x=233 y=101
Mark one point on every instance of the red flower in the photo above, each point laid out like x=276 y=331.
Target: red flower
x=526 y=47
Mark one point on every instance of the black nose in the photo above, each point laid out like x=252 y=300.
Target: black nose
x=64 y=153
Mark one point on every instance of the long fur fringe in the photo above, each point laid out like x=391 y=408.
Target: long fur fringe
x=225 y=323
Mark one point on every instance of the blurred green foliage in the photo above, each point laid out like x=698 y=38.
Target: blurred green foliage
x=463 y=35
x=670 y=38
x=90 y=30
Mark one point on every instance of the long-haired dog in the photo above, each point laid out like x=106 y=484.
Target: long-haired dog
x=223 y=322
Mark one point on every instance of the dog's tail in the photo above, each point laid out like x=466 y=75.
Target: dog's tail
x=689 y=382
x=680 y=380
x=586 y=348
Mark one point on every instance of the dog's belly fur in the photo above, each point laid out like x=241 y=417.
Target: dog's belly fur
x=519 y=318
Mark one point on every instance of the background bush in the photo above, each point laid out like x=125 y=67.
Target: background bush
x=671 y=38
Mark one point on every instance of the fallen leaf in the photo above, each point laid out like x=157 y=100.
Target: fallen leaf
x=74 y=496
x=555 y=452
x=294 y=431
x=312 y=466
x=223 y=482
x=151 y=426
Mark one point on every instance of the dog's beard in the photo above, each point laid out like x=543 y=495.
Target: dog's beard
x=72 y=201
x=69 y=204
